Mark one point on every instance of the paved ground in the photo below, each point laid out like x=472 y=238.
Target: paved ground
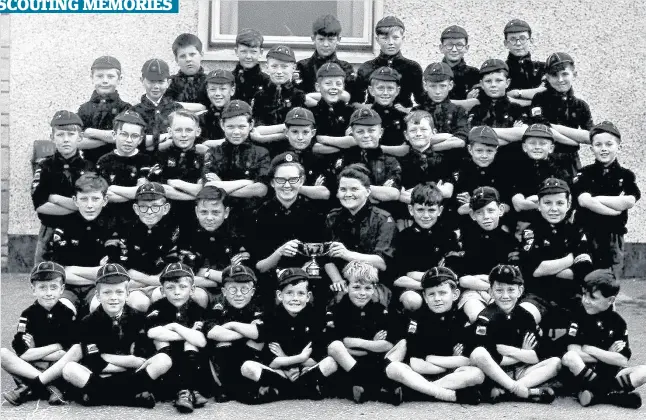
x=16 y=296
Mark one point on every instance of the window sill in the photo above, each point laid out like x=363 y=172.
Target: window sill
x=352 y=57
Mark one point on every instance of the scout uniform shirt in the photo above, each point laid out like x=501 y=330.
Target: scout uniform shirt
x=221 y=314
x=393 y=123
x=411 y=82
x=156 y=116
x=418 y=249
x=306 y=69
x=99 y=113
x=465 y=77
x=525 y=73
x=435 y=334
x=190 y=315
x=56 y=175
x=332 y=119
x=468 y=176
x=46 y=327
x=149 y=249
x=484 y=249
x=249 y=82
x=210 y=123
x=424 y=166
x=271 y=105
x=184 y=88
x=382 y=167
x=448 y=118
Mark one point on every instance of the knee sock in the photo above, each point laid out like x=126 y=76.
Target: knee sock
x=622 y=383
x=588 y=379
x=140 y=382
x=272 y=379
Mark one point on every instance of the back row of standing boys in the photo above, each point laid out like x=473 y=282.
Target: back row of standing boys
x=390 y=141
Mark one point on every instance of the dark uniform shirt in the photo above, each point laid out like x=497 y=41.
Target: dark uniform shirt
x=56 y=175
x=393 y=124
x=307 y=68
x=249 y=82
x=232 y=162
x=102 y=334
x=184 y=88
x=563 y=109
x=430 y=333
x=484 y=249
x=370 y=231
x=223 y=312
x=190 y=315
x=599 y=330
x=465 y=77
x=149 y=249
x=315 y=166
x=293 y=333
x=525 y=73
x=494 y=326
x=419 y=167
x=447 y=117
x=418 y=249
x=598 y=179
x=80 y=242
x=543 y=241
x=382 y=167
x=271 y=105
x=124 y=171
x=411 y=82
x=155 y=116
x=213 y=250
x=55 y=326
x=99 y=113
x=210 y=123
x=347 y=320
x=468 y=176
x=332 y=119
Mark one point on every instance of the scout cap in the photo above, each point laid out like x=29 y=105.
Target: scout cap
x=454 y=32
x=553 y=186
x=236 y=108
x=106 y=62
x=539 y=130
x=282 y=53
x=289 y=276
x=483 y=134
x=438 y=275
x=437 y=72
x=506 y=274
x=47 y=270
x=365 y=116
x=330 y=70
x=220 y=76
x=492 y=65
x=387 y=74
x=176 y=270
x=558 y=59
x=482 y=196
x=155 y=70
x=605 y=127
x=66 y=118
x=150 y=191
x=130 y=117
x=389 y=21
x=517 y=25
x=286 y=157
x=299 y=116
x=238 y=273
x=112 y=274
x=326 y=25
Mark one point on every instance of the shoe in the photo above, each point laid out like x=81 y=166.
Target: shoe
x=199 y=400
x=542 y=395
x=586 y=398
x=358 y=394
x=184 y=401
x=497 y=395
x=17 y=396
x=624 y=399
x=145 y=400
x=392 y=396
x=470 y=395
x=55 y=396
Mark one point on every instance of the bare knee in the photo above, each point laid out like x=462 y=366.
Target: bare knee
x=68 y=371
x=250 y=370
x=411 y=301
x=139 y=301
x=335 y=348
x=201 y=297
x=570 y=359
x=394 y=371
x=476 y=376
x=5 y=353
x=554 y=363
x=479 y=355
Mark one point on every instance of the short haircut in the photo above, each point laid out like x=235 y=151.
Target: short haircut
x=183 y=113
x=555 y=69
x=163 y=280
x=67 y=127
x=118 y=125
x=387 y=30
x=250 y=38
x=361 y=271
x=186 y=40
x=604 y=282
x=416 y=117
x=427 y=194
x=212 y=193
x=90 y=182
x=357 y=171
x=301 y=168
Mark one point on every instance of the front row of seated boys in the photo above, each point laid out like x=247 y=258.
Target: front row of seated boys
x=120 y=356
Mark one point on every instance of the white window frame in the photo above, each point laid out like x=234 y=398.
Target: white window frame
x=219 y=47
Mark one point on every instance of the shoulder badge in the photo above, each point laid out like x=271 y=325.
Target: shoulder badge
x=574 y=328
x=153 y=313
x=22 y=325
x=481 y=330
x=537 y=111
x=198 y=325
x=218 y=307
x=91 y=349
x=412 y=327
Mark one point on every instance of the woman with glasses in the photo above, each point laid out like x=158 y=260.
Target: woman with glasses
x=285 y=221
x=359 y=231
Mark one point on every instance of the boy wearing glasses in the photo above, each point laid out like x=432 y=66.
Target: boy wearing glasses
x=454 y=44
x=126 y=166
x=99 y=112
x=229 y=348
x=526 y=75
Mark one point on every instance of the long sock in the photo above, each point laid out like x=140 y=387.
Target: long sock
x=272 y=379
x=37 y=387
x=140 y=382
x=623 y=383
x=93 y=385
x=588 y=379
x=312 y=377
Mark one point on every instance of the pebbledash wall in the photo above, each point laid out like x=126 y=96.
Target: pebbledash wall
x=51 y=54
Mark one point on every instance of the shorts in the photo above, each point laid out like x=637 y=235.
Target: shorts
x=80 y=296
x=516 y=371
x=547 y=308
x=479 y=295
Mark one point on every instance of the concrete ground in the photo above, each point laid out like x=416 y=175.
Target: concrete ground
x=632 y=305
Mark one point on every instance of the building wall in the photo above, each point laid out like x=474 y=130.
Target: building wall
x=51 y=56
x=5 y=46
